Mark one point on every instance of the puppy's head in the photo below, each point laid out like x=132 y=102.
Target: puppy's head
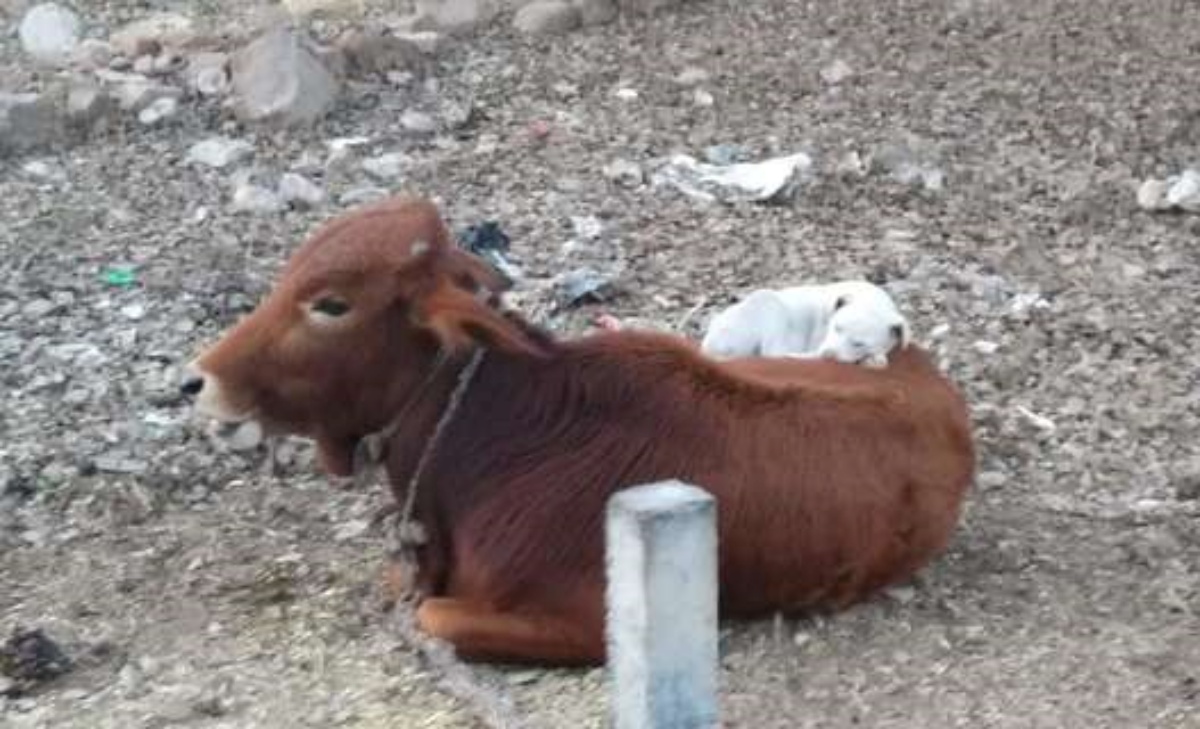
x=861 y=333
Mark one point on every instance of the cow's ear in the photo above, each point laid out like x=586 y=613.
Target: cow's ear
x=455 y=298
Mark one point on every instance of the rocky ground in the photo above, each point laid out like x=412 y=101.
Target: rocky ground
x=982 y=158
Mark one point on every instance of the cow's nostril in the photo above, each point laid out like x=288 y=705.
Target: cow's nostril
x=192 y=385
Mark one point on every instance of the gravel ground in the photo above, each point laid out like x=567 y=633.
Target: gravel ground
x=191 y=590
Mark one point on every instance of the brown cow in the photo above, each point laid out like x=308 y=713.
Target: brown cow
x=832 y=480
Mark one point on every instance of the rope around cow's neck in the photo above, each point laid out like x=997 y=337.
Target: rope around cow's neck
x=372 y=449
x=493 y=708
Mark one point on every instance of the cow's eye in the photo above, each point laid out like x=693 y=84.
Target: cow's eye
x=330 y=306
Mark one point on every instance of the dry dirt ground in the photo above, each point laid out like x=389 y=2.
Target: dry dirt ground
x=193 y=592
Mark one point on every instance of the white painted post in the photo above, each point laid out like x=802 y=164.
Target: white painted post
x=661 y=542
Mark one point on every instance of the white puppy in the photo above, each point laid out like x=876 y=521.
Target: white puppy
x=849 y=321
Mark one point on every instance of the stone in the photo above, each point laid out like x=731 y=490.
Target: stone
x=350 y=530
x=362 y=196
x=298 y=191
x=49 y=33
x=596 y=12
x=374 y=53
x=304 y=8
x=144 y=65
x=88 y=106
x=388 y=166
x=134 y=92
x=279 y=78
x=427 y=41
x=547 y=17
x=165 y=63
x=692 y=76
x=92 y=53
x=158 y=110
x=251 y=198
x=457 y=17
x=153 y=34
x=29 y=121
x=1152 y=195
x=418 y=122
x=836 y=72
x=625 y=173
x=46 y=170
x=208 y=73
x=219 y=152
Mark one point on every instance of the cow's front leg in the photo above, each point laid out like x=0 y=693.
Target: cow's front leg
x=481 y=633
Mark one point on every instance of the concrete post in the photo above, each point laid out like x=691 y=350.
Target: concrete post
x=662 y=607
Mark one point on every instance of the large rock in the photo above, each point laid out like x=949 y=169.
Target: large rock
x=596 y=12
x=458 y=17
x=88 y=106
x=280 y=78
x=134 y=92
x=49 y=33
x=645 y=7
x=547 y=17
x=371 y=52
x=150 y=36
x=29 y=122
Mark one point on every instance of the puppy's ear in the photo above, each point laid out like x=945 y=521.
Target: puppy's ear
x=901 y=334
x=841 y=301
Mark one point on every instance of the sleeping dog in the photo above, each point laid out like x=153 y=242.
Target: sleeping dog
x=849 y=321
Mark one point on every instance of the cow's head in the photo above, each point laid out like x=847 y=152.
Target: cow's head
x=351 y=328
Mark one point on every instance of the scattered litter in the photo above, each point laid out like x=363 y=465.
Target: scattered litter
x=626 y=94
x=608 y=322
x=489 y=242
x=244 y=436
x=418 y=122
x=1178 y=192
x=692 y=76
x=350 y=530
x=120 y=276
x=1040 y=422
x=582 y=285
x=388 y=166
x=725 y=154
x=1022 y=303
x=768 y=181
x=587 y=227
x=700 y=97
x=524 y=676
x=44 y=169
x=624 y=172
x=30 y=657
x=540 y=129
x=836 y=72
x=158 y=110
x=299 y=191
x=251 y=198
x=851 y=164
x=985 y=347
x=362 y=196
x=904 y=161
